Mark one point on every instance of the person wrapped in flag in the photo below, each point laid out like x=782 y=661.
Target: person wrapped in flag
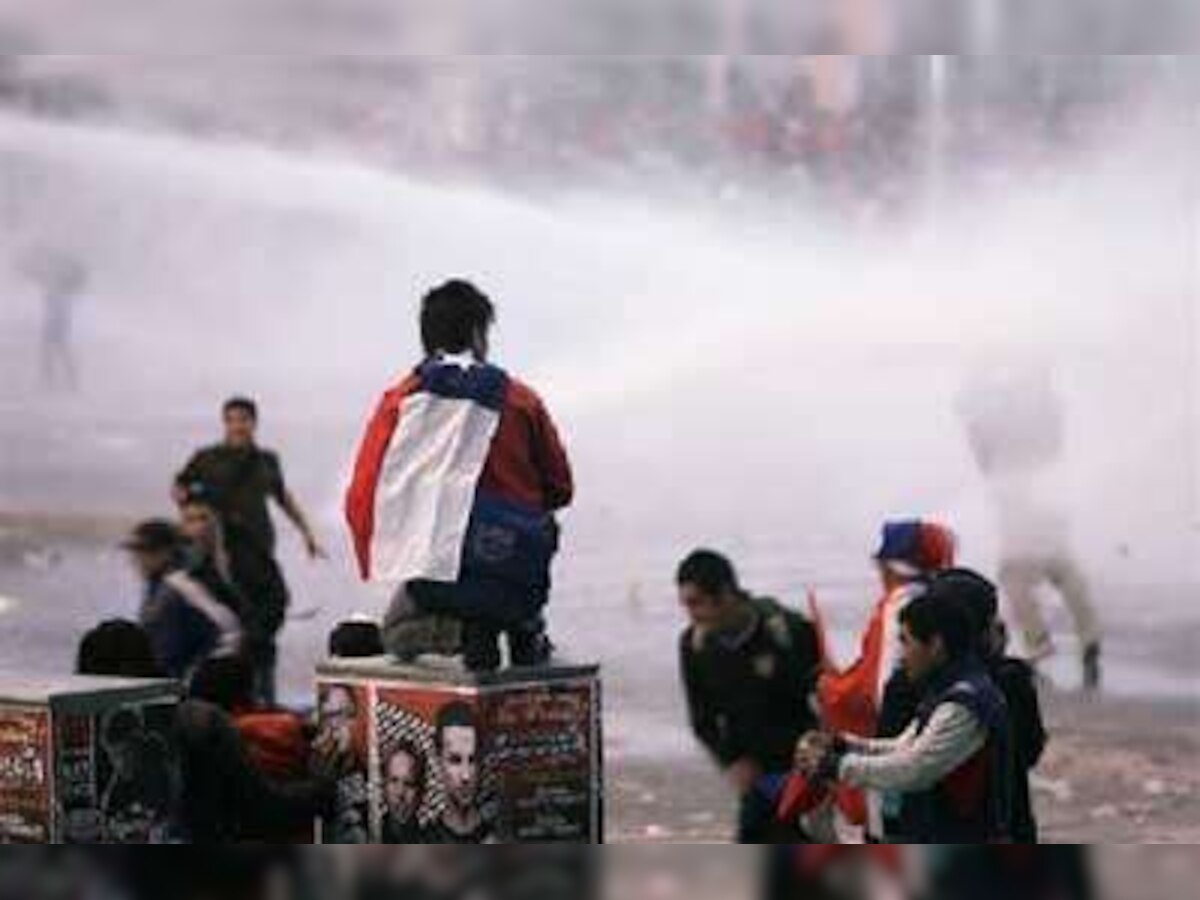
x=455 y=491
x=852 y=700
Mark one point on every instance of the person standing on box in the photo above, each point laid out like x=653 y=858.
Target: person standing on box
x=454 y=494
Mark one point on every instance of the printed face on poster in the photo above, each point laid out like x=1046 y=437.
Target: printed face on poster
x=117 y=775
x=345 y=726
x=436 y=785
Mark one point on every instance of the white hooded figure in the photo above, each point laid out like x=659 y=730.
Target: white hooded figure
x=1016 y=426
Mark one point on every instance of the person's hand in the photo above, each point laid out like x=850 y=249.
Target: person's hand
x=315 y=551
x=744 y=775
x=812 y=750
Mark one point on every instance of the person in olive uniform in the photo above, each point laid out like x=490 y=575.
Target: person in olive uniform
x=240 y=479
x=750 y=668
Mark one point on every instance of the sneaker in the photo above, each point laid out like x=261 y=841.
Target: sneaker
x=1093 y=674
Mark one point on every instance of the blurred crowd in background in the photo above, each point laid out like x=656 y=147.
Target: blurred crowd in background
x=867 y=131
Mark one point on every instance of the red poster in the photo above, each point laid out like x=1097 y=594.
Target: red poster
x=24 y=777
x=345 y=723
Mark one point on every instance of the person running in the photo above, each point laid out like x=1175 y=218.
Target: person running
x=455 y=492
x=240 y=480
x=1016 y=427
x=185 y=623
x=749 y=669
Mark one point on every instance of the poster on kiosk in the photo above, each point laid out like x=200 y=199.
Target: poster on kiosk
x=448 y=758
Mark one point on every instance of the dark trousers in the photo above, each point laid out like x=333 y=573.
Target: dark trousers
x=759 y=824
x=528 y=645
x=263 y=652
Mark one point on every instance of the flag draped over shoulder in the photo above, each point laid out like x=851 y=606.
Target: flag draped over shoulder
x=415 y=482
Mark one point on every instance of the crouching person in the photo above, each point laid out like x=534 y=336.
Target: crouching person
x=278 y=742
x=947 y=779
x=749 y=668
x=454 y=495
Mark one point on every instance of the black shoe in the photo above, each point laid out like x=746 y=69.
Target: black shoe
x=1093 y=673
x=531 y=651
x=481 y=648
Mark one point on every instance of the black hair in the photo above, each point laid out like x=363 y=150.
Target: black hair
x=117 y=649
x=978 y=597
x=241 y=404
x=225 y=681
x=710 y=571
x=452 y=315
x=456 y=715
x=940 y=614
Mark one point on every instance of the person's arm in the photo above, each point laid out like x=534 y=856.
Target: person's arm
x=291 y=508
x=700 y=714
x=806 y=656
x=171 y=637
x=862 y=746
x=188 y=475
x=952 y=737
x=558 y=480
x=740 y=768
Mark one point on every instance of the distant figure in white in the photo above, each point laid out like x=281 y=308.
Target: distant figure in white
x=1015 y=422
x=61 y=279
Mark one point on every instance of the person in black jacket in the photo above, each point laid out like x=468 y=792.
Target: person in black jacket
x=749 y=667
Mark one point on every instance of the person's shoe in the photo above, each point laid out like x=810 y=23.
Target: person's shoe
x=531 y=651
x=1093 y=671
x=409 y=634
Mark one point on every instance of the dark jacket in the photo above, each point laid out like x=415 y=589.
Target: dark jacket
x=749 y=696
x=1017 y=682
x=973 y=804
x=1027 y=731
x=186 y=624
x=241 y=481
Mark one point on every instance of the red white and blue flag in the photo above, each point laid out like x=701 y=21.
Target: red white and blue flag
x=416 y=480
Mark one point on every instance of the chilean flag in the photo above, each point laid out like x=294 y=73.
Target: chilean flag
x=415 y=483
